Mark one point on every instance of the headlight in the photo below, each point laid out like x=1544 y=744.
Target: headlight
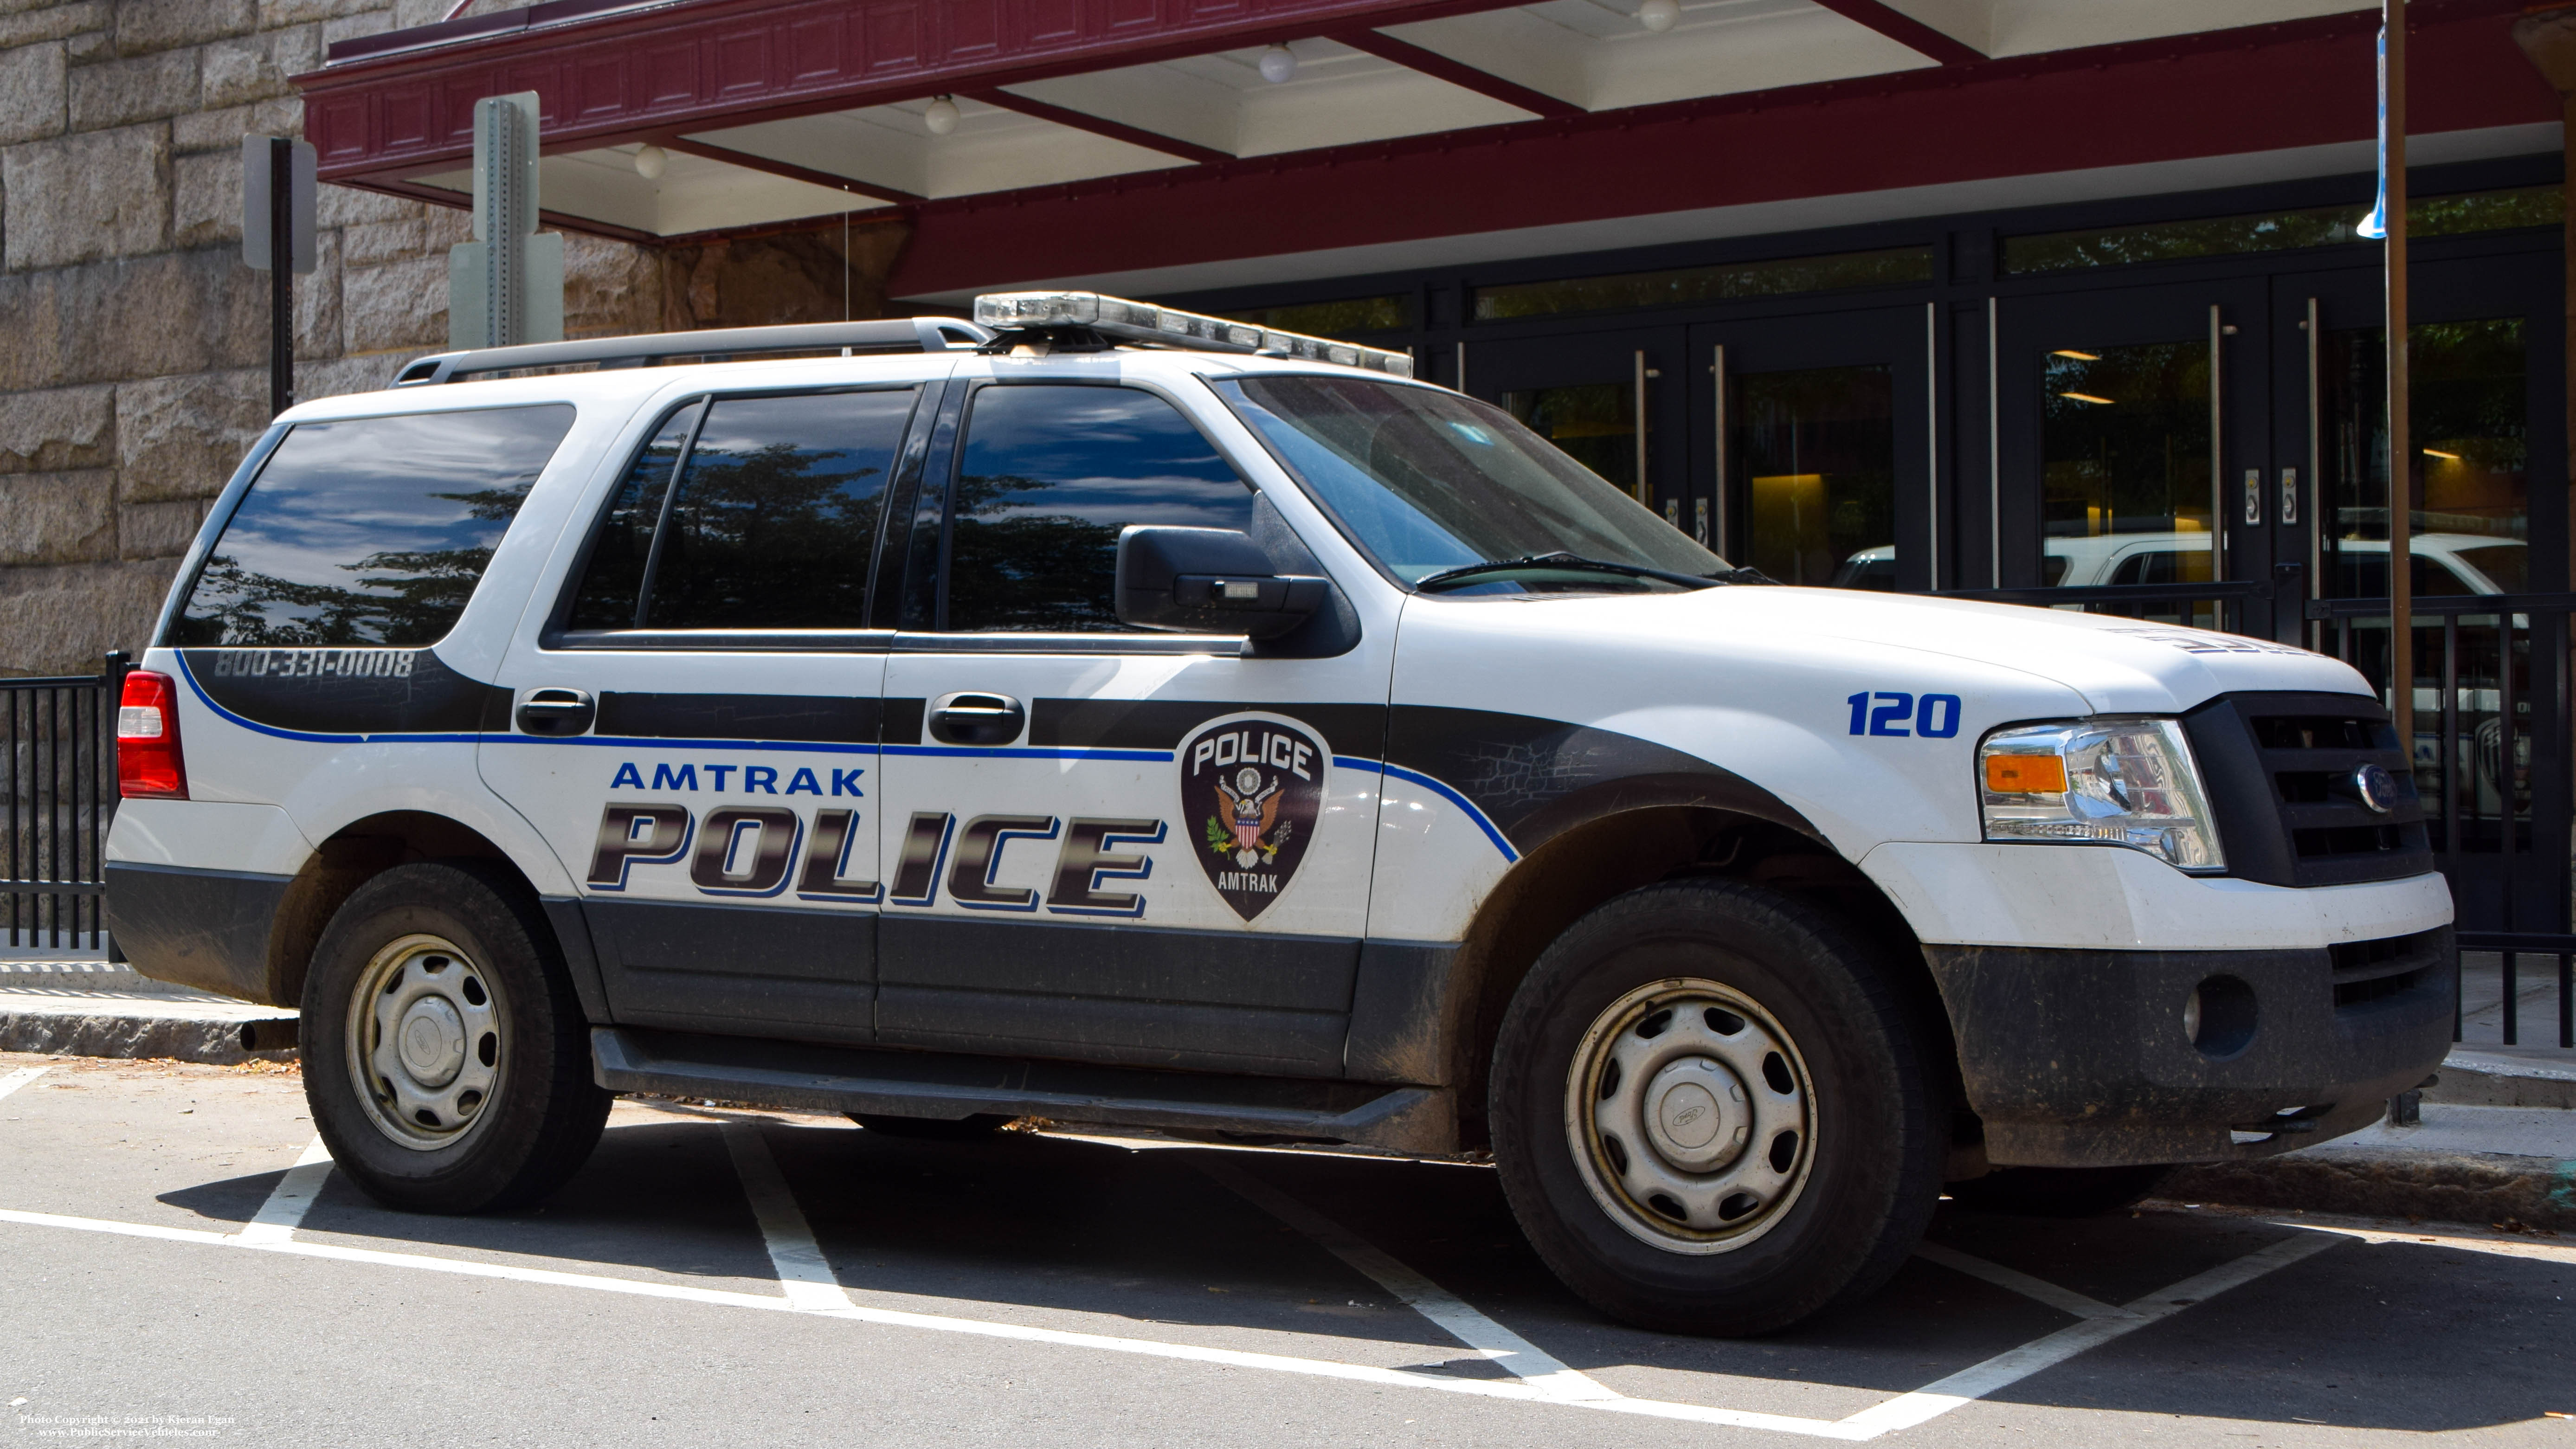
x=2127 y=782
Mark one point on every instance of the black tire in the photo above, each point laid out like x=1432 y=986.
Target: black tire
x=934 y=1129
x=2059 y=1192
x=490 y=972
x=1866 y=1176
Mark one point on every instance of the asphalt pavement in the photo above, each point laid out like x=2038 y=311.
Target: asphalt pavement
x=752 y=1278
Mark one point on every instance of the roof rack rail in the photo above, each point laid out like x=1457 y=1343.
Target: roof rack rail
x=898 y=334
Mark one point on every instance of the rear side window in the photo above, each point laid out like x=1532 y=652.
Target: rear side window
x=372 y=531
x=1048 y=477
x=771 y=524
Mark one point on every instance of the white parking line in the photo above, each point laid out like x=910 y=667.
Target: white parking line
x=1902 y=1412
x=1524 y=1360
x=1975 y=1382
x=279 y=1217
x=802 y=1270
x=20 y=1078
x=2064 y=1300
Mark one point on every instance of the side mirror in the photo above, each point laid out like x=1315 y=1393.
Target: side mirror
x=1209 y=581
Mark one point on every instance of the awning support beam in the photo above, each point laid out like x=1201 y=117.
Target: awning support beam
x=1457 y=73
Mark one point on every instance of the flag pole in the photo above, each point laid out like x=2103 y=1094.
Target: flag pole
x=2401 y=446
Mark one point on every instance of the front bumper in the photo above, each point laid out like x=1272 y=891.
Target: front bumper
x=2078 y=1058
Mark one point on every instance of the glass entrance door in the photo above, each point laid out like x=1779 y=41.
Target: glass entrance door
x=1611 y=399
x=1814 y=447
x=2487 y=516
x=2124 y=420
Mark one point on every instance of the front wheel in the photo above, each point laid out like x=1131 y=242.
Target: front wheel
x=1711 y=1113
x=446 y=1059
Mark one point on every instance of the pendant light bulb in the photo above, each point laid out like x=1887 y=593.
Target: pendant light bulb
x=649 y=161
x=941 y=116
x=1279 y=62
x=1659 y=15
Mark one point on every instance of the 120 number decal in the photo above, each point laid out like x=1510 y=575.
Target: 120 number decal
x=1890 y=712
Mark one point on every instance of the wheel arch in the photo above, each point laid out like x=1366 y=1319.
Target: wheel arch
x=1641 y=834
x=359 y=852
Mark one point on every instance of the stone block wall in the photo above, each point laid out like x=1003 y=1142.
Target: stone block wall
x=134 y=342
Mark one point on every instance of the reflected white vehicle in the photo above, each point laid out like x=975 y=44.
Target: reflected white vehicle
x=2445 y=563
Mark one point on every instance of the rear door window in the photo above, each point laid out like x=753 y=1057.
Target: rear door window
x=370 y=531
x=771 y=525
x=1048 y=476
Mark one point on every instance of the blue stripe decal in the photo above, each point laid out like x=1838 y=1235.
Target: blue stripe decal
x=1461 y=801
x=657 y=742
x=996 y=752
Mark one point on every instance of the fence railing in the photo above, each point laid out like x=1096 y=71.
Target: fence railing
x=59 y=735
x=2492 y=747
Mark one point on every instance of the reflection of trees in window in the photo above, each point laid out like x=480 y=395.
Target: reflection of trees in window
x=770 y=538
x=1022 y=571
x=402 y=597
x=2470 y=472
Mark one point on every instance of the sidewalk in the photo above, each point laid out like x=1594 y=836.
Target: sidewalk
x=98 y=1009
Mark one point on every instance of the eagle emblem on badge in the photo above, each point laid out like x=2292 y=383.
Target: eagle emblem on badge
x=1256 y=784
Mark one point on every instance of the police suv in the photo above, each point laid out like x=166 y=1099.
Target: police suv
x=1114 y=715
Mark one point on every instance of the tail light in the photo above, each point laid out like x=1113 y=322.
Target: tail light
x=147 y=739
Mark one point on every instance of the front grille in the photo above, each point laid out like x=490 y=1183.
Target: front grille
x=2367 y=971
x=2281 y=771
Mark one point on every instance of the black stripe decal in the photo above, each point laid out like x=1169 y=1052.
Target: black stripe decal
x=1161 y=724
x=347 y=691
x=827 y=719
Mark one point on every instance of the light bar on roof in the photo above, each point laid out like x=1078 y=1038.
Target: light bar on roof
x=1144 y=322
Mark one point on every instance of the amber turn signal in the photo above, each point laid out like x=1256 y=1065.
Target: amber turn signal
x=2025 y=774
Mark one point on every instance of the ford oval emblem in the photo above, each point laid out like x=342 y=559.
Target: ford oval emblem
x=2376 y=787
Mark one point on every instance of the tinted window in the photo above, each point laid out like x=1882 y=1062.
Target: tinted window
x=772 y=525
x=612 y=586
x=370 y=531
x=1047 y=478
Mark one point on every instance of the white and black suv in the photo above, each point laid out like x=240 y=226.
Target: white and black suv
x=1231 y=737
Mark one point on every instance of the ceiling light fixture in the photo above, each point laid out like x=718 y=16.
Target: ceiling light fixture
x=940 y=116
x=1278 y=63
x=2438 y=453
x=649 y=161
x=2078 y=356
x=2086 y=397
x=1659 y=15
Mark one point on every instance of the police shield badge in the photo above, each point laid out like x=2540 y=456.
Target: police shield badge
x=1252 y=786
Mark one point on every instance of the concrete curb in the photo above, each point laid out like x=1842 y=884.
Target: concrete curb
x=2454 y=1187
x=111 y=1034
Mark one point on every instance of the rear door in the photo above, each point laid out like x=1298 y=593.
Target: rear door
x=697 y=734
x=1103 y=843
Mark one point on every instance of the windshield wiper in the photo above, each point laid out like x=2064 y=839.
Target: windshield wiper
x=1560 y=560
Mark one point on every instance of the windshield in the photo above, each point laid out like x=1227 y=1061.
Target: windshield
x=1428 y=481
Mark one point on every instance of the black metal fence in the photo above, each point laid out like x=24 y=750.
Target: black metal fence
x=2491 y=748
x=60 y=738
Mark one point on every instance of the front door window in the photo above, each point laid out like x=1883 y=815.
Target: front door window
x=2468 y=481
x=1817 y=450
x=2124 y=461
x=1594 y=423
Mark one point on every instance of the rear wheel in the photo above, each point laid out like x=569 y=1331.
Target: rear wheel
x=1711 y=1114
x=2059 y=1192
x=446 y=1059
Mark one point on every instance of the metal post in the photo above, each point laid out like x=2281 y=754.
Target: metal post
x=2401 y=447
x=281 y=275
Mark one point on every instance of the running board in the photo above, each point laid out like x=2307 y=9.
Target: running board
x=797 y=1076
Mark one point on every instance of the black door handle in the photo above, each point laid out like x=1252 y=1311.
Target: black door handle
x=557 y=712
x=975 y=718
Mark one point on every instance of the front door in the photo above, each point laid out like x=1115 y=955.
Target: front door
x=697 y=736
x=1102 y=843
x=1815 y=460
x=1611 y=399
x=2133 y=444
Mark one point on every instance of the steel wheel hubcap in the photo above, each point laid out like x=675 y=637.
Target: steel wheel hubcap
x=1690 y=1116
x=425 y=1041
